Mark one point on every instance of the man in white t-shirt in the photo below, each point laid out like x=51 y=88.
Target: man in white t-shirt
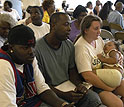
x=40 y=28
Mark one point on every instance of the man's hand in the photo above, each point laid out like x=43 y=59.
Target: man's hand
x=72 y=96
x=83 y=88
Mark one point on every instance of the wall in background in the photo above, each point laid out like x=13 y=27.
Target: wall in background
x=74 y=3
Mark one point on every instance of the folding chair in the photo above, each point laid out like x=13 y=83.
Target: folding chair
x=106 y=34
x=119 y=36
x=115 y=27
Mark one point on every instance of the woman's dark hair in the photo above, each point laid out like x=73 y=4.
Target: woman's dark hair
x=103 y=14
x=87 y=21
x=78 y=10
x=9 y=3
x=110 y=4
x=46 y=4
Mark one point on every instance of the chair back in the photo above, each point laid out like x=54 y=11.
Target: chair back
x=115 y=27
x=106 y=34
x=119 y=36
x=105 y=23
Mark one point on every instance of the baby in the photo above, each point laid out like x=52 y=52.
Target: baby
x=112 y=60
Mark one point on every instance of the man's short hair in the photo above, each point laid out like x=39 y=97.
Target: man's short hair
x=55 y=17
x=9 y=3
x=38 y=7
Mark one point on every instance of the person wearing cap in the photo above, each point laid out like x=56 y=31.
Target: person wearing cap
x=55 y=55
x=79 y=12
x=21 y=82
x=40 y=28
x=6 y=23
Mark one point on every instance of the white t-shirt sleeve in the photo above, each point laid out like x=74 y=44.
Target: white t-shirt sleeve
x=39 y=79
x=7 y=85
x=81 y=55
x=17 y=14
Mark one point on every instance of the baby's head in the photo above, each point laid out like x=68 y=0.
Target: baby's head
x=111 y=45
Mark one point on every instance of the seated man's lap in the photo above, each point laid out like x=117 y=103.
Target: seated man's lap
x=91 y=99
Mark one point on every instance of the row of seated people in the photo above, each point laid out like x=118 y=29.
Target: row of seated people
x=27 y=86
x=50 y=42
x=112 y=16
x=47 y=5
x=57 y=59
x=78 y=14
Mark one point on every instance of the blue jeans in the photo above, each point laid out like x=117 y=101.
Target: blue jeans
x=91 y=99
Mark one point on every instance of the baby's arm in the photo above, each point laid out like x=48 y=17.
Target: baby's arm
x=113 y=59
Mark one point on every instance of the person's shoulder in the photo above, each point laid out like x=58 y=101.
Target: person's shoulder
x=80 y=41
x=46 y=24
x=1 y=10
x=5 y=64
x=68 y=43
x=40 y=43
x=116 y=13
x=100 y=40
x=30 y=24
x=14 y=10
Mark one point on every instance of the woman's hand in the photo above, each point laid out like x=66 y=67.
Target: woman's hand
x=101 y=57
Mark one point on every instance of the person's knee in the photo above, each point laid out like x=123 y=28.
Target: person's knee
x=118 y=103
x=93 y=98
x=110 y=100
x=93 y=95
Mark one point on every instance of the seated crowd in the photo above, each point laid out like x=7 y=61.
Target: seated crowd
x=52 y=59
